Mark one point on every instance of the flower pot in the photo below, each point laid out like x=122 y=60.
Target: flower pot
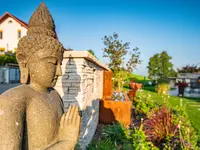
x=135 y=85
x=112 y=111
x=132 y=94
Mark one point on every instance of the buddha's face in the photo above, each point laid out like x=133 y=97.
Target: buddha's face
x=45 y=72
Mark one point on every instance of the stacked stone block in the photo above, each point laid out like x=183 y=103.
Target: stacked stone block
x=82 y=84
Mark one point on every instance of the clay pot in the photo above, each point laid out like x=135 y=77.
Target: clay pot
x=135 y=85
x=115 y=111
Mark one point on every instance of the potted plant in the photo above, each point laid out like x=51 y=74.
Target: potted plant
x=181 y=87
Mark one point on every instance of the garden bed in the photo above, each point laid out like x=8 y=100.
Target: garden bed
x=156 y=124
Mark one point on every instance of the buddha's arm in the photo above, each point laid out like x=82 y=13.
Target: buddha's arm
x=11 y=122
x=69 y=130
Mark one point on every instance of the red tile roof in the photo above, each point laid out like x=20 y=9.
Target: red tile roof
x=6 y=15
x=24 y=24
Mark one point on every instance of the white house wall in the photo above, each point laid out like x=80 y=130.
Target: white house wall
x=10 y=34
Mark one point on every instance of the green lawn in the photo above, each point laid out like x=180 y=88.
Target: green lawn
x=138 y=77
x=192 y=106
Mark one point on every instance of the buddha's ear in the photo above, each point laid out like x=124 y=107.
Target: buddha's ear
x=24 y=73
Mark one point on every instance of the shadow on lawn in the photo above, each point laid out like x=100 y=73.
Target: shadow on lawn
x=149 y=88
x=193 y=99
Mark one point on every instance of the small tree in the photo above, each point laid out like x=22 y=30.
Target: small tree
x=116 y=51
x=134 y=60
x=160 y=66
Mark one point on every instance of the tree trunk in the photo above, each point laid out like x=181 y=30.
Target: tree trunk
x=119 y=85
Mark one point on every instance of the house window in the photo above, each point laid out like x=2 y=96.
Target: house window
x=1 y=34
x=19 y=33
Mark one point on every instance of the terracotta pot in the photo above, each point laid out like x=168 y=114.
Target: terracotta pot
x=112 y=111
x=131 y=94
x=135 y=85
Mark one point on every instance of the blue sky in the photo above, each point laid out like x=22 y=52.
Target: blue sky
x=152 y=26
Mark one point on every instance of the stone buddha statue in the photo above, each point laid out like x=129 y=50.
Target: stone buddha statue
x=31 y=115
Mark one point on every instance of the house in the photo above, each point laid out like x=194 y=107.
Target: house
x=9 y=73
x=11 y=30
x=192 y=79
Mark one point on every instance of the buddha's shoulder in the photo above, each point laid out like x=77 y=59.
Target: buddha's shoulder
x=14 y=98
x=18 y=91
x=54 y=91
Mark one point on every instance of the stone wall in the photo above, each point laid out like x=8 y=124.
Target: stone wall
x=82 y=84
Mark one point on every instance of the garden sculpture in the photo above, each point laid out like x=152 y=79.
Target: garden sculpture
x=31 y=115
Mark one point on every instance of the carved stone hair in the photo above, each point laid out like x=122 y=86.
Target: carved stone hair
x=40 y=40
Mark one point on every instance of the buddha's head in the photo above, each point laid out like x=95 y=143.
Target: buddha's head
x=39 y=53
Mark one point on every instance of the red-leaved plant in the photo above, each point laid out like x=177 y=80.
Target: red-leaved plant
x=159 y=127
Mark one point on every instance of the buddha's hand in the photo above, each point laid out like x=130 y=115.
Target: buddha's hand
x=69 y=126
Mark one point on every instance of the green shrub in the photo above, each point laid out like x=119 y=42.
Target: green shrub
x=115 y=133
x=140 y=142
x=144 y=103
x=7 y=59
x=162 y=88
x=101 y=145
x=114 y=136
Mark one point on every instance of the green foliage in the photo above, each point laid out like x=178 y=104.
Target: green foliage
x=92 y=52
x=138 y=78
x=163 y=80
x=188 y=135
x=119 y=79
x=134 y=60
x=144 y=103
x=7 y=59
x=160 y=66
x=114 y=137
x=115 y=50
x=101 y=145
x=115 y=134
x=140 y=142
x=162 y=88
